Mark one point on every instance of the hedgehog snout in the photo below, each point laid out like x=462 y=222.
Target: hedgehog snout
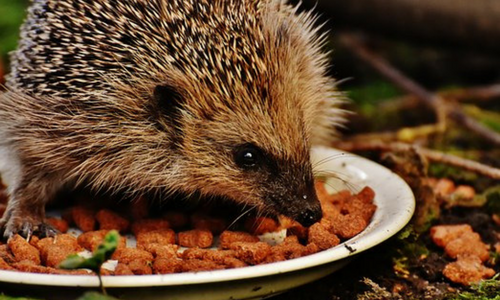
x=310 y=215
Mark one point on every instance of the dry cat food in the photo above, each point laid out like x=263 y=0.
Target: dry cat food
x=189 y=242
x=460 y=242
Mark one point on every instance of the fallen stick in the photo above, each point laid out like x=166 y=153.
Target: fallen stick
x=443 y=109
x=431 y=155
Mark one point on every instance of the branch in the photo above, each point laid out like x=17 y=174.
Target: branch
x=431 y=155
x=480 y=93
x=442 y=108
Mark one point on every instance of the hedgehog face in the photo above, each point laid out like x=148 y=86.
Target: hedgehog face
x=241 y=160
x=286 y=188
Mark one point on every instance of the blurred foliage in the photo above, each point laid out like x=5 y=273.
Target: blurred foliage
x=366 y=96
x=3 y=297
x=492 y=199
x=95 y=296
x=12 y=14
x=488 y=118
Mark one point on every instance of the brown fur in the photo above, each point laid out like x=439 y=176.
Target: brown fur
x=80 y=106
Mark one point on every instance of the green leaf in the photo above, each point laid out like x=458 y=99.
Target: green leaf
x=100 y=255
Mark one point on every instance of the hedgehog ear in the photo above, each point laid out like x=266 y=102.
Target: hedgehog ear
x=166 y=100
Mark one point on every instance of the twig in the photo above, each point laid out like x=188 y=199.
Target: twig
x=406 y=134
x=355 y=43
x=431 y=155
x=442 y=108
x=479 y=93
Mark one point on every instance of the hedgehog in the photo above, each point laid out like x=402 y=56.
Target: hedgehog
x=218 y=98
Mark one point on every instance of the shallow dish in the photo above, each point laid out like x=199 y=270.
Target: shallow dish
x=395 y=206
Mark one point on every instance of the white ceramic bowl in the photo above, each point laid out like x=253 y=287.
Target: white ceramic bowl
x=395 y=206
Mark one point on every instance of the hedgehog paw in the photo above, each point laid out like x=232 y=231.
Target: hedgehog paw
x=26 y=227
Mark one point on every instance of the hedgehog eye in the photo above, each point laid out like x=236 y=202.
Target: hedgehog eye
x=248 y=156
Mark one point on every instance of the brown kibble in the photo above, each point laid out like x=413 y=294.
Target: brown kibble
x=228 y=237
x=53 y=250
x=92 y=239
x=59 y=224
x=34 y=241
x=443 y=234
x=176 y=219
x=345 y=226
x=161 y=237
x=330 y=209
x=466 y=270
x=250 y=252
x=67 y=241
x=288 y=249
x=126 y=255
x=366 y=195
x=204 y=222
x=162 y=265
x=146 y=225
x=360 y=204
x=23 y=251
x=63 y=240
x=83 y=218
x=325 y=197
x=459 y=240
x=198 y=265
x=196 y=238
x=140 y=267
x=110 y=220
x=30 y=267
x=222 y=257
x=55 y=255
x=50 y=270
x=260 y=225
x=321 y=237
x=233 y=262
x=162 y=251
x=444 y=187
x=464 y=192
x=340 y=197
x=6 y=254
x=321 y=192
x=468 y=243
x=358 y=207
x=123 y=269
x=4 y=265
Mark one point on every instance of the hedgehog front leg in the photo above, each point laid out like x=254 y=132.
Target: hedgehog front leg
x=25 y=213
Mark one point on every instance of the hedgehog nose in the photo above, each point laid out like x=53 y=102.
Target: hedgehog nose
x=310 y=216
